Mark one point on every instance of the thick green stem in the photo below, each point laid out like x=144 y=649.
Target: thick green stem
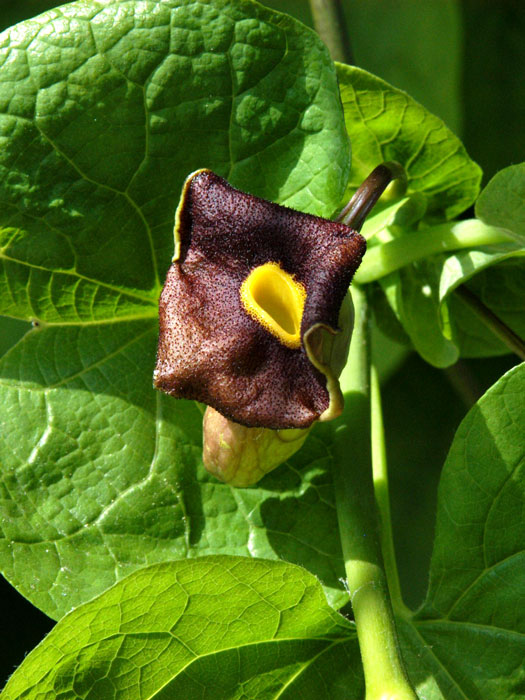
x=385 y=676
x=382 y=259
x=329 y=22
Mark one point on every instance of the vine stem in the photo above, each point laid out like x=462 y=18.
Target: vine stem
x=385 y=676
x=329 y=22
x=380 y=477
x=383 y=259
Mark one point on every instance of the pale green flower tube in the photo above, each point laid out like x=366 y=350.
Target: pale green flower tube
x=241 y=456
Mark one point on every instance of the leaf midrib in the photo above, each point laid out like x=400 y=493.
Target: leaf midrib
x=19 y=384
x=148 y=300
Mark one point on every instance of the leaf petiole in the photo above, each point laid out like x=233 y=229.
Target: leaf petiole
x=500 y=329
x=380 y=478
x=381 y=260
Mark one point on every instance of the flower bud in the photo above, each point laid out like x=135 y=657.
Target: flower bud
x=241 y=456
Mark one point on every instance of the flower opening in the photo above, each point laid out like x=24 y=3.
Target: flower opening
x=276 y=300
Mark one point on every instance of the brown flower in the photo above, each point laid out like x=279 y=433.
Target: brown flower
x=250 y=311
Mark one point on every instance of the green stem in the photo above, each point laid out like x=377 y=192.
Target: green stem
x=489 y=318
x=464 y=383
x=382 y=259
x=330 y=24
x=385 y=675
x=380 y=476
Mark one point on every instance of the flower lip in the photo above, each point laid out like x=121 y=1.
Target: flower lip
x=271 y=296
x=213 y=344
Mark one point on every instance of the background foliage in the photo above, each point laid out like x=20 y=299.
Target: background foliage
x=472 y=106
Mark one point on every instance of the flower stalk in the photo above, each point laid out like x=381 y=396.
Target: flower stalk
x=385 y=675
x=366 y=197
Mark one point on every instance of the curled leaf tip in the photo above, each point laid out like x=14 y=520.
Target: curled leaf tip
x=250 y=311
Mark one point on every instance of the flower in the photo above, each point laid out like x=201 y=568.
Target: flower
x=241 y=456
x=250 y=314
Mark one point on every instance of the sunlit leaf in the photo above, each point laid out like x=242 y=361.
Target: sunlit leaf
x=385 y=124
x=209 y=628
x=502 y=202
x=105 y=107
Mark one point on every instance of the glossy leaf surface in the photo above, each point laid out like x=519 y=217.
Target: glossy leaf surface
x=106 y=106
x=384 y=123
x=228 y=627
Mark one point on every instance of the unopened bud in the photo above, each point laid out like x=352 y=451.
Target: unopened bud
x=241 y=456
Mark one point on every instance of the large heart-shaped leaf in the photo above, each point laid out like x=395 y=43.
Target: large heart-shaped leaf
x=232 y=627
x=106 y=106
x=103 y=475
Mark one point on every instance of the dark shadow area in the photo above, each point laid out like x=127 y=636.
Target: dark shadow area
x=23 y=627
x=301 y=531
x=13 y=11
x=422 y=412
x=492 y=84
x=299 y=513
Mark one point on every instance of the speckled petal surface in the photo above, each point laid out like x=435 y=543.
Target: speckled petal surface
x=210 y=348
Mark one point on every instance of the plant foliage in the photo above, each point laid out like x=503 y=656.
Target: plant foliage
x=167 y=583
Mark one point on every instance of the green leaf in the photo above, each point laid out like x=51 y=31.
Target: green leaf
x=217 y=627
x=472 y=621
x=101 y=474
x=385 y=123
x=438 y=325
x=233 y=627
x=502 y=202
x=105 y=107
x=413 y=295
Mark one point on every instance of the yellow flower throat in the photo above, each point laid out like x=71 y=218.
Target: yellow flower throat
x=275 y=299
